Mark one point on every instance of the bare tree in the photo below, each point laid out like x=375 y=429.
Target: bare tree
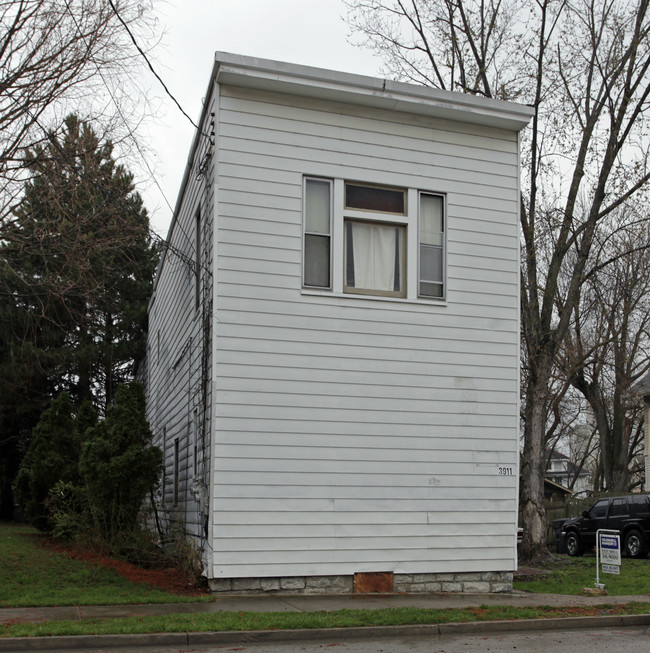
x=606 y=349
x=58 y=56
x=583 y=66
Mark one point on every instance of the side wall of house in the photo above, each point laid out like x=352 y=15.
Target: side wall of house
x=358 y=434
x=179 y=356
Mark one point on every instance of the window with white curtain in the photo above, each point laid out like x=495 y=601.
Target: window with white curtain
x=374 y=258
x=373 y=240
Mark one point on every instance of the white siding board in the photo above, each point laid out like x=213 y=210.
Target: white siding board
x=345 y=327
x=238 y=534
x=429 y=354
x=389 y=448
x=416 y=543
x=424 y=479
x=381 y=169
x=441 y=506
x=266 y=569
x=454 y=521
x=357 y=166
x=308 y=401
x=252 y=198
x=310 y=563
x=368 y=366
x=397 y=338
x=249 y=138
x=353 y=416
x=403 y=318
x=377 y=391
x=372 y=433
x=257 y=106
x=418 y=141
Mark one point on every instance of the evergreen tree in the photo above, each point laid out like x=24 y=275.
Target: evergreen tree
x=77 y=264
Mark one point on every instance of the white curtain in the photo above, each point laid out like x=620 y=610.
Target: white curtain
x=374 y=251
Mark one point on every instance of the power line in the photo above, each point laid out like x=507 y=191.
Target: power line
x=160 y=239
x=156 y=75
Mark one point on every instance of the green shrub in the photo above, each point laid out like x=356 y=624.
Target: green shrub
x=86 y=481
x=67 y=516
x=53 y=456
x=118 y=465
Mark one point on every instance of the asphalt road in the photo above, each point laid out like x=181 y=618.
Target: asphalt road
x=616 y=640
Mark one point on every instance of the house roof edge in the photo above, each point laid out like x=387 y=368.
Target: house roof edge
x=295 y=79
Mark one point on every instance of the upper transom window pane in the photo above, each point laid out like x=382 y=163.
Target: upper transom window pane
x=375 y=198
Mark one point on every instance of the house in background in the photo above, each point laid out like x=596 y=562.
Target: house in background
x=333 y=355
x=563 y=471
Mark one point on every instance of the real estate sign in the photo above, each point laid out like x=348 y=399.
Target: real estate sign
x=610 y=553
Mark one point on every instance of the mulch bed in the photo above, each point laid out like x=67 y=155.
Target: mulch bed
x=169 y=580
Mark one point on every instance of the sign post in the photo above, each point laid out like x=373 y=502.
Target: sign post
x=608 y=552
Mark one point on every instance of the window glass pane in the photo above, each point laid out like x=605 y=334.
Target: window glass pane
x=373 y=257
x=599 y=509
x=430 y=263
x=370 y=198
x=428 y=289
x=317 y=261
x=317 y=206
x=431 y=226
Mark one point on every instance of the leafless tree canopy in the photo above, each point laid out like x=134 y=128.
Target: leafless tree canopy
x=62 y=56
x=584 y=67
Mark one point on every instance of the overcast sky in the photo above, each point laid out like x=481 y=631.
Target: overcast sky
x=310 y=32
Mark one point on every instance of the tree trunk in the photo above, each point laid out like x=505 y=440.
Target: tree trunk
x=532 y=468
x=109 y=382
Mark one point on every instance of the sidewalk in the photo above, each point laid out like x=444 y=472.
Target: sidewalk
x=310 y=603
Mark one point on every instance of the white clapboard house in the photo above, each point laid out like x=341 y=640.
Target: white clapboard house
x=333 y=355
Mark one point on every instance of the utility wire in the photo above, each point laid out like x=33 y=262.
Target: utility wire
x=156 y=75
x=160 y=239
x=119 y=111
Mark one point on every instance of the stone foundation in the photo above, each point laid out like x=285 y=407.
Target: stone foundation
x=468 y=583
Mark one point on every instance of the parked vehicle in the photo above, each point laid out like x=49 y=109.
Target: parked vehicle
x=630 y=515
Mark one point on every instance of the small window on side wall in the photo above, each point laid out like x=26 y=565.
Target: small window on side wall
x=318 y=234
x=432 y=239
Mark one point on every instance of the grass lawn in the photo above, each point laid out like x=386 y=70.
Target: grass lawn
x=570 y=575
x=33 y=576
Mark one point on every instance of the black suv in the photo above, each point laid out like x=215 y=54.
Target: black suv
x=630 y=515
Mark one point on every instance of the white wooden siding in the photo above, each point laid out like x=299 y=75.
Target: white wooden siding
x=174 y=392
x=355 y=434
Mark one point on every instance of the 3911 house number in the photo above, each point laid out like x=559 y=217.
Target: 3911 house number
x=506 y=470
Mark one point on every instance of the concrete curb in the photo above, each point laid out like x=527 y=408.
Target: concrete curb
x=16 y=644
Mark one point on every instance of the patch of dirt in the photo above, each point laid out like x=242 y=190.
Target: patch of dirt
x=169 y=580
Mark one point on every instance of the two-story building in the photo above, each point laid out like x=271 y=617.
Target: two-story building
x=333 y=357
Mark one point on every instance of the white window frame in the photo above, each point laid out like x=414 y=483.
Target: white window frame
x=306 y=233
x=410 y=220
x=443 y=246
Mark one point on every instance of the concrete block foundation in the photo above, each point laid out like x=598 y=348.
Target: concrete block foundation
x=380 y=582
